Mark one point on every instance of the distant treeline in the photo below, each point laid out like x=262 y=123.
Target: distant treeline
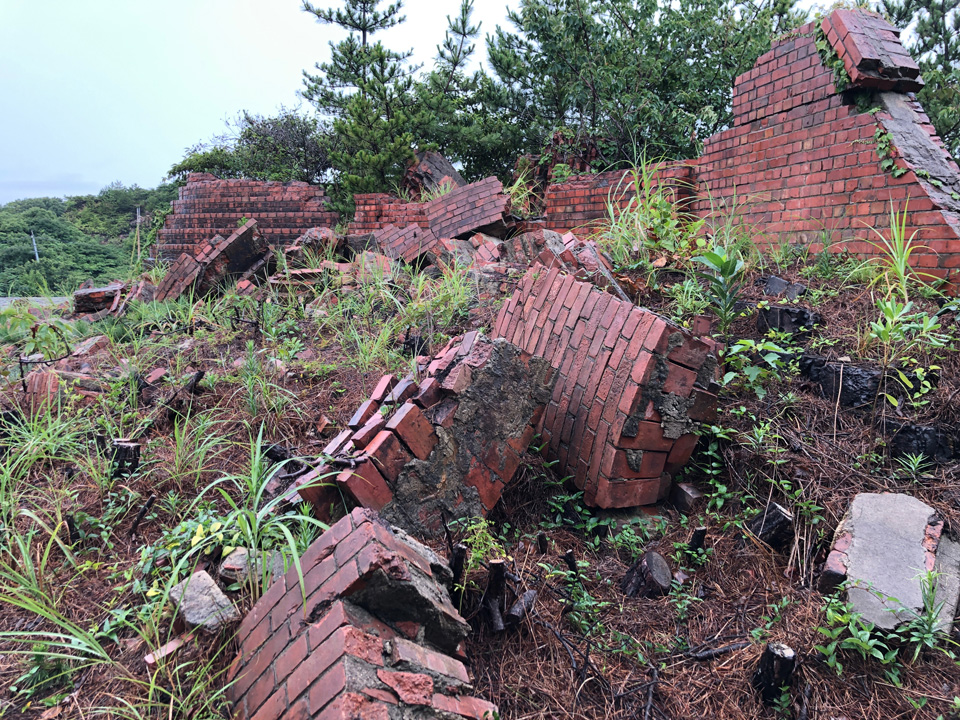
x=80 y=237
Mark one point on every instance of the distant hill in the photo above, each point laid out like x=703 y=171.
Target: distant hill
x=80 y=237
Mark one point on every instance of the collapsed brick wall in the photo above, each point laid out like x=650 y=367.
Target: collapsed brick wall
x=371 y=633
x=207 y=207
x=630 y=391
x=446 y=446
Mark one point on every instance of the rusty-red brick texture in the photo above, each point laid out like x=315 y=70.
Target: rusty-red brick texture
x=333 y=648
x=631 y=388
x=207 y=206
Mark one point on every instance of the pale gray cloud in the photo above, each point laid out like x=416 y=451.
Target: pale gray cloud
x=94 y=91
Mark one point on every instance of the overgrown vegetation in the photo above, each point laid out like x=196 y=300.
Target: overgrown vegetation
x=77 y=238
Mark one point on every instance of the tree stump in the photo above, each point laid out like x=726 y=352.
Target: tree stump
x=493 y=597
x=774 y=526
x=519 y=610
x=697 y=540
x=774 y=671
x=648 y=577
x=126 y=457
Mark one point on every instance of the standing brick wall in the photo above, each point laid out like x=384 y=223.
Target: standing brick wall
x=207 y=207
x=374 y=211
x=800 y=164
x=584 y=201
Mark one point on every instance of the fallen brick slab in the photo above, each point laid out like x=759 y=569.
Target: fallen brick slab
x=216 y=263
x=472 y=208
x=91 y=300
x=883 y=547
x=405 y=244
x=376 y=637
x=448 y=445
x=631 y=389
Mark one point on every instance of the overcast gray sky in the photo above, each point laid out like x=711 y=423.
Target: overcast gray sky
x=93 y=91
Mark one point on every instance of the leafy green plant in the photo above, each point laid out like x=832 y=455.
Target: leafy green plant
x=752 y=364
x=846 y=630
x=724 y=277
x=643 y=219
x=886 y=150
x=913 y=465
x=481 y=542
x=896 y=252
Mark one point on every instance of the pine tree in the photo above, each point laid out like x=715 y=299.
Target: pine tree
x=366 y=89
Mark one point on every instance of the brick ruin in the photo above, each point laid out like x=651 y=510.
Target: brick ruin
x=801 y=163
x=207 y=206
x=371 y=633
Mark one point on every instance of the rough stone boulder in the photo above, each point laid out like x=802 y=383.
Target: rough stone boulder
x=377 y=636
x=430 y=173
x=447 y=445
x=883 y=548
x=201 y=603
x=632 y=386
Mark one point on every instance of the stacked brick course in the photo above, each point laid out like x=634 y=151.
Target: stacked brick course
x=583 y=202
x=449 y=444
x=461 y=211
x=377 y=636
x=631 y=388
x=207 y=206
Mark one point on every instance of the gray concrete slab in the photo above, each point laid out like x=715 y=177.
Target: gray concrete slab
x=887 y=558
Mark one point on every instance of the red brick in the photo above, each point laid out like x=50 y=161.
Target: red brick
x=680 y=453
x=383 y=388
x=679 y=380
x=649 y=437
x=366 y=485
x=366 y=411
x=410 y=424
x=403 y=391
x=429 y=394
x=362 y=437
x=326 y=688
x=388 y=454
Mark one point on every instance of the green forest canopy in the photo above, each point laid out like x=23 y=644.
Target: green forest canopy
x=80 y=237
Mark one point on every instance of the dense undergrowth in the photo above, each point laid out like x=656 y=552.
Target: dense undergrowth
x=84 y=581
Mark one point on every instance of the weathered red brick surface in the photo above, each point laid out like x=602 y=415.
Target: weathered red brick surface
x=376 y=636
x=207 y=206
x=630 y=391
x=446 y=445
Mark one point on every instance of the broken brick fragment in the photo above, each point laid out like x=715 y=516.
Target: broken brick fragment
x=339 y=643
